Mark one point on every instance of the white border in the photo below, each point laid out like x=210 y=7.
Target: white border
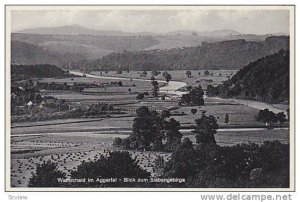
x=152 y=7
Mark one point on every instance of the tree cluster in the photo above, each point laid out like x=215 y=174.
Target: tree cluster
x=266 y=80
x=153 y=131
x=231 y=54
x=204 y=166
x=23 y=72
x=215 y=166
x=193 y=97
x=115 y=165
x=268 y=116
x=155 y=88
x=206 y=128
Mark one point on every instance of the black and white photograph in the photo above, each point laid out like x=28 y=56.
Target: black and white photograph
x=144 y=98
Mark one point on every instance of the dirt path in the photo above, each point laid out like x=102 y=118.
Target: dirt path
x=255 y=104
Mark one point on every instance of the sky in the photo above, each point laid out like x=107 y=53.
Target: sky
x=157 y=21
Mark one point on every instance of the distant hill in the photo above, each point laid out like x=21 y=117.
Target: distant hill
x=72 y=30
x=207 y=33
x=74 y=43
x=79 y=30
x=76 y=47
x=266 y=79
x=233 y=54
x=25 y=53
x=224 y=32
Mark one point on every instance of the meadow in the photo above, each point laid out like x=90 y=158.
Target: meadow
x=67 y=142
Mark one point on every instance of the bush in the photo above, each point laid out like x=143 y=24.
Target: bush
x=117 y=141
x=215 y=166
x=119 y=71
x=46 y=175
x=120 y=83
x=117 y=164
x=193 y=111
x=140 y=96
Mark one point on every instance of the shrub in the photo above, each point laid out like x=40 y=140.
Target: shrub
x=118 y=164
x=46 y=175
x=140 y=96
x=215 y=166
x=193 y=111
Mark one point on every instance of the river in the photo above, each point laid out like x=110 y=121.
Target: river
x=173 y=86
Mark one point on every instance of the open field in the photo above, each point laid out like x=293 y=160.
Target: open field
x=69 y=149
x=107 y=93
x=121 y=94
x=107 y=124
x=67 y=142
x=238 y=114
x=178 y=75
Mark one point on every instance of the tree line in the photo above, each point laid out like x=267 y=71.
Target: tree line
x=266 y=80
x=232 y=54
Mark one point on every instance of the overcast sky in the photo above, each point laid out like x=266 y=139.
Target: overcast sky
x=159 y=21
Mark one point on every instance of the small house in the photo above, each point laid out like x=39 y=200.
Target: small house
x=29 y=104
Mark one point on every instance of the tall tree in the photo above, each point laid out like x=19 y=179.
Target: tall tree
x=194 y=97
x=188 y=74
x=206 y=128
x=173 y=134
x=226 y=118
x=155 y=88
x=143 y=128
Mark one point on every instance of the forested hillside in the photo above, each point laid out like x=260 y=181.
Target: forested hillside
x=19 y=72
x=62 y=49
x=266 y=79
x=25 y=53
x=232 y=54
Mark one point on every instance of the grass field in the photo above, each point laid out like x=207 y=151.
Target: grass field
x=69 y=149
x=238 y=114
x=116 y=94
x=69 y=141
x=177 y=75
x=110 y=94
x=217 y=77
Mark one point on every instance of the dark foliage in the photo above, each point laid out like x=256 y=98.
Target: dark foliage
x=117 y=164
x=206 y=128
x=27 y=53
x=232 y=54
x=20 y=72
x=46 y=175
x=155 y=88
x=266 y=79
x=214 y=166
x=226 y=120
x=193 y=97
x=193 y=111
x=268 y=116
x=140 y=96
x=150 y=129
